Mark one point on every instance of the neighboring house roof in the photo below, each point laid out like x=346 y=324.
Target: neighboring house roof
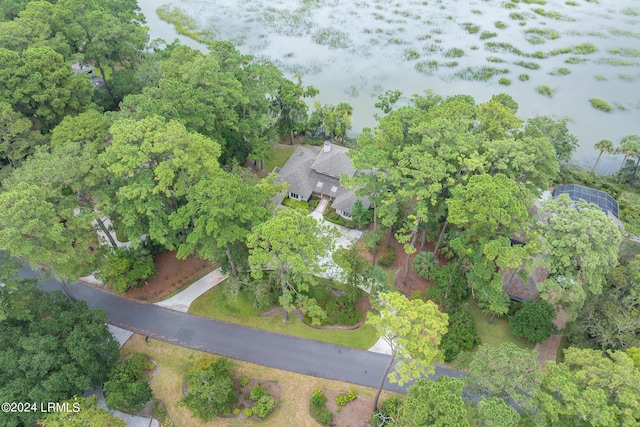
x=576 y=192
x=315 y=170
x=520 y=290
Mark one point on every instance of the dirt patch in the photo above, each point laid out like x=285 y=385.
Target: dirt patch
x=356 y=413
x=171 y=274
x=548 y=350
x=414 y=282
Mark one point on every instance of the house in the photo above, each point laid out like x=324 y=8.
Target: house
x=521 y=290
x=316 y=171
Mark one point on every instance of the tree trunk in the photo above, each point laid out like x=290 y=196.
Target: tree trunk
x=104 y=77
x=66 y=290
x=291 y=135
x=621 y=165
x=106 y=231
x=375 y=231
x=512 y=276
x=596 y=163
x=232 y=264
x=635 y=169
x=413 y=244
x=491 y=318
x=384 y=377
x=390 y=235
x=435 y=250
x=283 y=284
x=423 y=239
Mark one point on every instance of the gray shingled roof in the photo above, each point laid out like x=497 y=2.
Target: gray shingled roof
x=334 y=163
x=309 y=166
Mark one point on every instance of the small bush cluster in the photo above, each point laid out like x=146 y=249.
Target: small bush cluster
x=388 y=414
x=504 y=81
x=334 y=217
x=264 y=402
x=534 y=321
x=343 y=399
x=127 y=389
x=318 y=408
x=296 y=204
x=211 y=390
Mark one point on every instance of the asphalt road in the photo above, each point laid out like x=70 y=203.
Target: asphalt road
x=307 y=357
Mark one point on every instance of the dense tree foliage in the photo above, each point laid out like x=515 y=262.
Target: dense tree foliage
x=413 y=329
x=292 y=244
x=15 y=292
x=88 y=414
x=507 y=372
x=127 y=388
x=591 y=389
x=59 y=351
x=461 y=336
x=434 y=403
x=581 y=245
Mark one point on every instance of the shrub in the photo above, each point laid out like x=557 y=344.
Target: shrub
x=244 y=381
x=124 y=268
x=451 y=287
x=296 y=204
x=425 y=264
x=343 y=399
x=127 y=388
x=333 y=216
x=313 y=203
x=534 y=321
x=388 y=414
x=210 y=388
x=236 y=411
x=389 y=257
x=601 y=104
x=248 y=412
x=504 y=81
x=462 y=335
x=318 y=408
x=264 y=402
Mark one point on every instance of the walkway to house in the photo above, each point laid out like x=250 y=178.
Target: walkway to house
x=322 y=206
x=548 y=350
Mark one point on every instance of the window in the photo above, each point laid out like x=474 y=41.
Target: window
x=347 y=214
x=320 y=184
x=334 y=189
x=294 y=196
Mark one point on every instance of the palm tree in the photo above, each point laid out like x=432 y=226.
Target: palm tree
x=629 y=146
x=605 y=146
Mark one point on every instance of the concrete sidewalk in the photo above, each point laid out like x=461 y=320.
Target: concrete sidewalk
x=183 y=300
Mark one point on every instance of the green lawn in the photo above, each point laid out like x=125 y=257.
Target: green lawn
x=212 y=304
x=497 y=332
x=277 y=157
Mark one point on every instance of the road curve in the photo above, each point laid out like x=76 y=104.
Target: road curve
x=303 y=356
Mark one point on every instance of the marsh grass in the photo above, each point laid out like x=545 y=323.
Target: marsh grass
x=627 y=77
x=501 y=25
x=624 y=33
x=560 y=72
x=454 y=53
x=517 y=16
x=184 y=24
x=620 y=107
x=528 y=65
x=503 y=47
x=575 y=60
x=504 y=81
x=331 y=37
x=427 y=67
x=540 y=2
x=617 y=62
x=545 y=90
x=487 y=35
x=523 y=77
x=495 y=59
x=625 y=51
x=410 y=54
x=601 y=77
x=630 y=11
x=601 y=104
x=482 y=73
x=470 y=27
x=540 y=35
x=551 y=14
x=571 y=3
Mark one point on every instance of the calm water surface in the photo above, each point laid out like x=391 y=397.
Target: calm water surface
x=354 y=50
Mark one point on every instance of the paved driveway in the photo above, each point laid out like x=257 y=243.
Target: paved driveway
x=293 y=354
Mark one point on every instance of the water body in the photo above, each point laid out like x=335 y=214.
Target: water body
x=354 y=50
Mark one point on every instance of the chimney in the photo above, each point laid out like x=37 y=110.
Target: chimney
x=327 y=146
